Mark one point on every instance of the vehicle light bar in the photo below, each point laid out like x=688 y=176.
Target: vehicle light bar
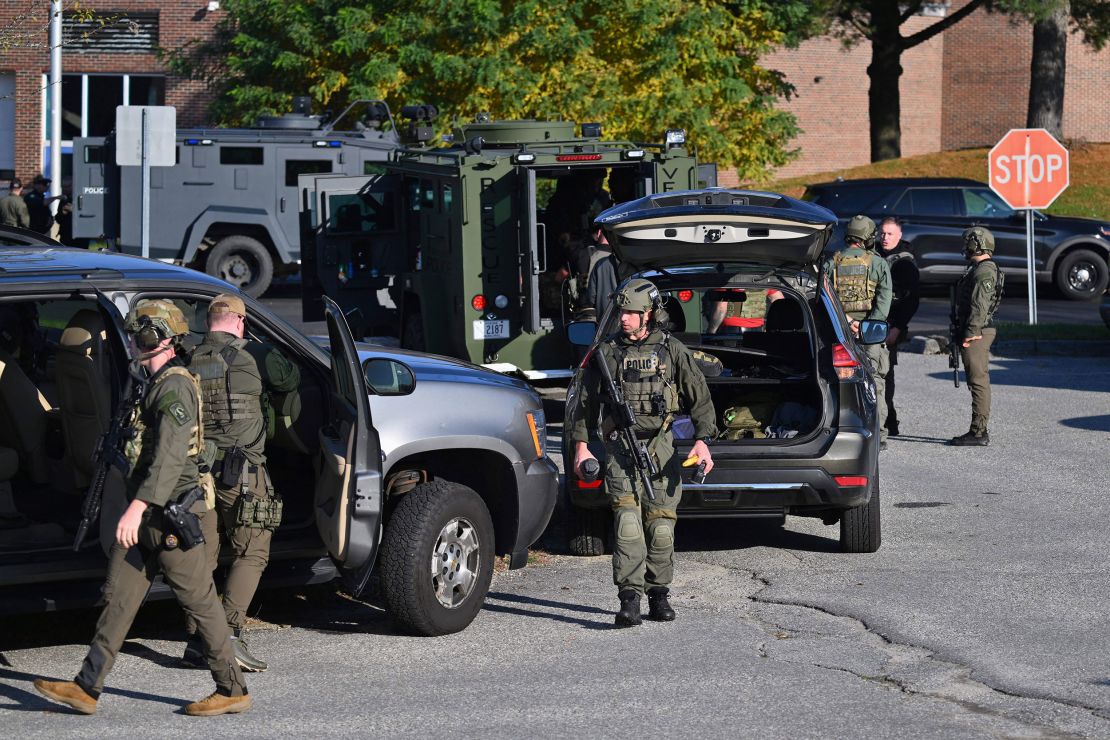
x=633 y=154
x=577 y=157
x=850 y=481
x=524 y=158
x=198 y=142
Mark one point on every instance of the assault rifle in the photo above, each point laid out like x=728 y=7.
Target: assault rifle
x=625 y=419
x=954 y=339
x=109 y=454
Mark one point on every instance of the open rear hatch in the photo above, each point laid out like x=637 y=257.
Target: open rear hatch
x=715 y=225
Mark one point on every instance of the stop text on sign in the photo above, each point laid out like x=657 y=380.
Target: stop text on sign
x=1032 y=168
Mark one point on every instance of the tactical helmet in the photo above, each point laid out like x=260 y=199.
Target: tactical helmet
x=639 y=295
x=152 y=321
x=863 y=229
x=978 y=240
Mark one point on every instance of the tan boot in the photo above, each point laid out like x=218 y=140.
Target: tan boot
x=217 y=703
x=68 y=693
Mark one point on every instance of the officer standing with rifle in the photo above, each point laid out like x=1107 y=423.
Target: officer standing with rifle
x=159 y=531
x=638 y=380
x=975 y=300
x=862 y=281
x=234 y=374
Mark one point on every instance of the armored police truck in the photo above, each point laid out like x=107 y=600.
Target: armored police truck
x=229 y=205
x=475 y=249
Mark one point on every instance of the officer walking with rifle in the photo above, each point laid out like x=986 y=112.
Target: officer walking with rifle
x=974 y=302
x=160 y=530
x=638 y=380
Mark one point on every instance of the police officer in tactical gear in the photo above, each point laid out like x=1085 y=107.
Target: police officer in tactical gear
x=234 y=374
x=862 y=281
x=978 y=294
x=165 y=457
x=658 y=376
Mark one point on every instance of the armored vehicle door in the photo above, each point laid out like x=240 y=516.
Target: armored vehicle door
x=530 y=247
x=352 y=247
x=348 y=500
x=289 y=164
x=95 y=189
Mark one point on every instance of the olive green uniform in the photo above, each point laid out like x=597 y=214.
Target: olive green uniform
x=163 y=471
x=862 y=281
x=977 y=295
x=658 y=377
x=13 y=212
x=234 y=417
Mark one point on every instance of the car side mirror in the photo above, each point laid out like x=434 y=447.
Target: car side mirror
x=388 y=377
x=581 y=333
x=872 y=332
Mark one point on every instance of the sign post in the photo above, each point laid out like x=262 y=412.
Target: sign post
x=146 y=135
x=1029 y=169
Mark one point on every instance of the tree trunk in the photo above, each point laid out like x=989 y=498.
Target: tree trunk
x=1047 y=71
x=884 y=104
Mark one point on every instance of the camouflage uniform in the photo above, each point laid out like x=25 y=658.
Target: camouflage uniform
x=659 y=377
x=234 y=375
x=977 y=297
x=862 y=281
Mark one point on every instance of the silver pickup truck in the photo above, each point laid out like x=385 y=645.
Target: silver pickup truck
x=422 y=469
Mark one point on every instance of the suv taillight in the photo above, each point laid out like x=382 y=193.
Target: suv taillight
x=847 y=366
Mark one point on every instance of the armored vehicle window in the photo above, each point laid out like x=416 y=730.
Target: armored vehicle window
x=361 y=212
x=94 y=155
x=372 y=168
x=930 y=202
x=242 y=155
x=294 y=167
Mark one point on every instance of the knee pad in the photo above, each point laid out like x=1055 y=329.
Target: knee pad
x=628 y=526
x=662 y=536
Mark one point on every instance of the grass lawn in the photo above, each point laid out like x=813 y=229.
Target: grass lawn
x=1088 y=195
x=1015 y=330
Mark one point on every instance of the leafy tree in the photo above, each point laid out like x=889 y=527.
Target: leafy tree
x=638 y=66
x=1048 y=68
x=879 y=22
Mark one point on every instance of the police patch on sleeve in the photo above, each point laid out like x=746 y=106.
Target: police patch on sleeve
x=177 y=412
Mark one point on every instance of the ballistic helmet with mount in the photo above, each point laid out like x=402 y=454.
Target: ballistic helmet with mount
x=155 y=320
x=863 y=230
x=978 y=240
x=639 y=295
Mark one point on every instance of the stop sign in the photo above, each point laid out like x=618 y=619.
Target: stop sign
x=1028 y=168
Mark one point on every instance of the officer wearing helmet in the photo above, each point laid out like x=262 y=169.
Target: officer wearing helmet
x=978 y=294
x=165 y=466
x=862 y=281
x=658 y=377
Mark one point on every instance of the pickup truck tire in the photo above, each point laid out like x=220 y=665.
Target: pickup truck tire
x=437 y=558
x=1082 y=275
x=589 y=530
x=861 y=527
x=243 y=262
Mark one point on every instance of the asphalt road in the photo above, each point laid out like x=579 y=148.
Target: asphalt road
x=983 y=615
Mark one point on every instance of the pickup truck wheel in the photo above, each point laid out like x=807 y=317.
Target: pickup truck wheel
x=860 y=528
x=1082 y=275
x=589 y=530
x=437 y=558
x=243 y=262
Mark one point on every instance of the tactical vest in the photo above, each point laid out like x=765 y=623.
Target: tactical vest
x=645 y=374
x=221 y=406
x=134 y=448
x=853 y=282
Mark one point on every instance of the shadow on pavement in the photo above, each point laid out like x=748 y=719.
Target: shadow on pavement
x=30 y=701
x=1091 y=423
x=700 y=535
x=523 y=611
x=1041 y=372
x=917 y=439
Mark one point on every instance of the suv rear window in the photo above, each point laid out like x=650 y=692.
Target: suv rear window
x=847 y=200
x=929 y=202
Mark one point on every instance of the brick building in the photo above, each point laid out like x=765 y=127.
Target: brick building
x=103 y=65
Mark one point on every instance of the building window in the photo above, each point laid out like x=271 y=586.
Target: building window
x=123 y=32
x=89 y=101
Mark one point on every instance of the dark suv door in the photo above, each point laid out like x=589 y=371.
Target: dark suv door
x=933 y=221
x=983 y=207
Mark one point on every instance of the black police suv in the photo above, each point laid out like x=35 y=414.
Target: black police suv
x=740 y=275
x=1070 y=252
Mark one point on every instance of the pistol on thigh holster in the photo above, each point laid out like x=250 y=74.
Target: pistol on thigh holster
x=181 y=523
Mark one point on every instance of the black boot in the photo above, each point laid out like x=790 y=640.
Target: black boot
x=629 y=615
x=194 y=653
x=659 y=609
x=971 y=439
x=243 y=656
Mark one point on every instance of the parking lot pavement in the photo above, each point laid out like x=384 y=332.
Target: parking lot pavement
x=983 y=614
